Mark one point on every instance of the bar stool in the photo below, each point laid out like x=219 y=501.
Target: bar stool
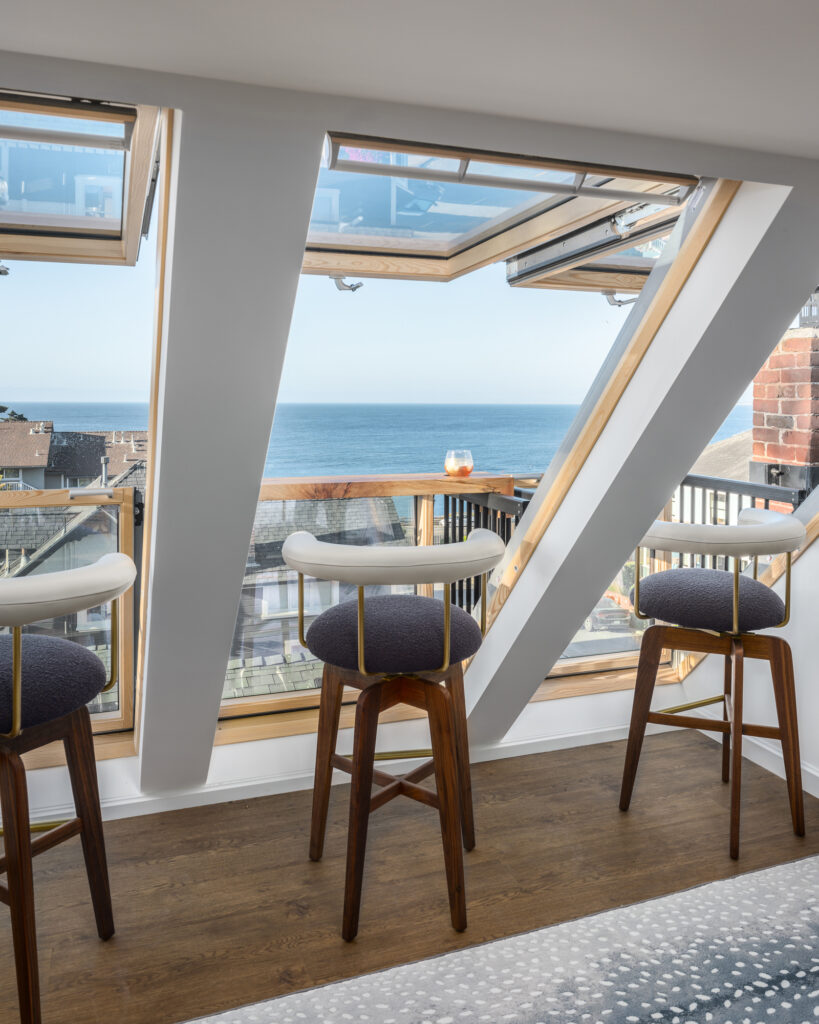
x=718 y=612
x=45 y=684
x=394 y=649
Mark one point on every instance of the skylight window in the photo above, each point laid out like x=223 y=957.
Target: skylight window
x=397 y=209
x=76 y=172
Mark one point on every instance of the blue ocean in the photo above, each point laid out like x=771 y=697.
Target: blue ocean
x=317 y=440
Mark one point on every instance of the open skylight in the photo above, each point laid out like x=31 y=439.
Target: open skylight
x=391 y=209
x=74 y=178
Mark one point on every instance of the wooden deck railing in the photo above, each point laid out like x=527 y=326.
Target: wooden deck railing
x=79 y=505
x=320 y=488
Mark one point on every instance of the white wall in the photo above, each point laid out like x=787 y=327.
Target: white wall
x=245 y=169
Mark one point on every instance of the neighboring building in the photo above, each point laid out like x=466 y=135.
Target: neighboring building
x=35 y=456
x=786 y=408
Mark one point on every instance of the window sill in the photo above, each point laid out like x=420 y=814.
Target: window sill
x=106 y=747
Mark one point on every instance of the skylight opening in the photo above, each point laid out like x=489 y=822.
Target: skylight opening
x=381 y=198
x=75 y=172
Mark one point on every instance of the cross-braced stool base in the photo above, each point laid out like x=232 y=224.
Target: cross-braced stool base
x=441 y=695
x=74 y=730
x=735 y=649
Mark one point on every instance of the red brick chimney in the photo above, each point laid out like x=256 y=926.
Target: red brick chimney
x=786 y=413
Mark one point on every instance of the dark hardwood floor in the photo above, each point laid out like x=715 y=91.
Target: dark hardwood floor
x=219 y=906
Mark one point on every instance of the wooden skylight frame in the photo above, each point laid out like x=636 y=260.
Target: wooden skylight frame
x=80 y=244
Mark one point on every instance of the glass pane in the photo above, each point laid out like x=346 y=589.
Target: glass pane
x=409 y=214
x=57 y=123
x=60 y=187
x=447 y=164
x=266 y=657
x=45 y=540
x=522 y=171
x=644 y=254
x=611 y=627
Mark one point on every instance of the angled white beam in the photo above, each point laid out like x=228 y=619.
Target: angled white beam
x=242 y=204
x=743 y=293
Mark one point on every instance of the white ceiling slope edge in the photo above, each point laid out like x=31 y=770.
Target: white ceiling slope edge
x=737 y=72
x=226 y=338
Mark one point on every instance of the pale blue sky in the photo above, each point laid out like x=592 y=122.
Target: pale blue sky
x=74 y=333
x=472 y=340
x=83 y=333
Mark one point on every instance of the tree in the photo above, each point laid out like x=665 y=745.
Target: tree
x=8 y=415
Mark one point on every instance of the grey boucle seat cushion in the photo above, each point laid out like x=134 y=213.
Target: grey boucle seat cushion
x=703 y=599
x=59 y=676
x=402 y=633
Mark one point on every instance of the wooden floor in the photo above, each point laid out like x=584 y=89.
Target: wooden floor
x=218 y=906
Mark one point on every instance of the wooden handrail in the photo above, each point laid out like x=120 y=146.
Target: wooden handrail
x=62 y=497
x=297 y=488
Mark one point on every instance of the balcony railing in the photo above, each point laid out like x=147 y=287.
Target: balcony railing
x=45 y=531
x=268 y=668
x=13 y=484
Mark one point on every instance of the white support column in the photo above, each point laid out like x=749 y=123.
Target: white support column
x=760 y=264
x=245 y=179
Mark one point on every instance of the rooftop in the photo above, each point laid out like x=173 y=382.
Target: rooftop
x=30 y=445
x=25 y=445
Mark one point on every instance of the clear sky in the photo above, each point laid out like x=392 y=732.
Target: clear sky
x=472 y=340
x=84 y=333
x=77 y=333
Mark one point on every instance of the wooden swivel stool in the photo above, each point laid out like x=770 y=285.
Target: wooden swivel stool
x=45 y=684
x=718 y=612
x=394 y=649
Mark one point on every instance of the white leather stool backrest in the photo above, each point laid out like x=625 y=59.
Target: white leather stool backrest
x=759 y=531
x=379 y=563
x=27 y=599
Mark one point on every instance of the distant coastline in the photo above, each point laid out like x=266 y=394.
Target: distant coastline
x=318 y=439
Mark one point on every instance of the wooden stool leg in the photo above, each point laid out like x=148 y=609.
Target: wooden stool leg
x=82 y=769
x=442 y=732
x=785 y=694
x=737 y=656
x=17 y=839
x=455 y=686
x=651 y=650
x=332 y=690
x=366 y=726
x=726 y=736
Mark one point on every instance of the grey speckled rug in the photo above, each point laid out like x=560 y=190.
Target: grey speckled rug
x=740 y=951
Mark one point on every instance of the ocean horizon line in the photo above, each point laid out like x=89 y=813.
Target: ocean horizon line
x=379 y=405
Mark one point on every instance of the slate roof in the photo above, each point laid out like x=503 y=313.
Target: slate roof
x=729 y=458
x=266 y=656
x=342 y=521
